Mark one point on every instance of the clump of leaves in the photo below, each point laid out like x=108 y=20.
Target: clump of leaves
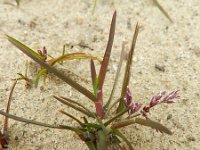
x=42 y=56
x=104 y=131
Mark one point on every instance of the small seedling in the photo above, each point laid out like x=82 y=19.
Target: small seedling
x=103 y=130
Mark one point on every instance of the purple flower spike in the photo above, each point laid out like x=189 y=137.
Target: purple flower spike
x=155 y=99
x=128 y=97
x=39 y=52
x=171 y=98
x=44 y=51
x=135 y=107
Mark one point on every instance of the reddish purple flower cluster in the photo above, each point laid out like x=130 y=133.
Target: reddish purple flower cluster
x=155 y=100
x=43 y=52
x=133 y=107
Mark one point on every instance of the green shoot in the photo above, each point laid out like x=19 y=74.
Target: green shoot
x=128 y=69
x=162 y=10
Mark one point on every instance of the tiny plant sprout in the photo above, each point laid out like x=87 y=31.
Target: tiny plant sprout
x=100 y=129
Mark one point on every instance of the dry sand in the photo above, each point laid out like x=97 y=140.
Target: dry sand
x=53 y=23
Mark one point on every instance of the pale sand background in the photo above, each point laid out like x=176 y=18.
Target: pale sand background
x=52 y=23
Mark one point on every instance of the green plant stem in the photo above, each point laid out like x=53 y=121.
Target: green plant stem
x=115 y=117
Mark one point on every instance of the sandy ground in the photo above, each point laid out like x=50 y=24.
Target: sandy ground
x=53 y=23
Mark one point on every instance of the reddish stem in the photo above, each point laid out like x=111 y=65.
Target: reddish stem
x=5 y=127
x=99 y=105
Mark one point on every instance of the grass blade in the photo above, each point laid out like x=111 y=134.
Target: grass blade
x=162 y=10
x=78 y=104
x=128 y=69
x=24 y=47
x=69 y=115
x=72 y=56
x=74 y=106
x=68 y=80
x=116 y=77
x=144 y=122
x=103 y=68
x=93 y=72
x=153 y=124
x=36 y=122
x=106 y=57
x=94 y=77
x=41 y=72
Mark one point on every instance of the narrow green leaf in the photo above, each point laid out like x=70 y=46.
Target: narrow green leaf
x=63 y=52
x=153 y=124
x=36 y=122
x=78 y=104
x=104 y=65
x=93 y=75
x=162 y=10
x=74 y=106
x=72 y=56
x=92 y=125
x=73 y=117
x=116 y=78
x=144 y=122
x=41 y=72
x=95 y=86
x=22 y=77
x=49 y=68
x=128 y=69
x=103 y=68
x=23 y=47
